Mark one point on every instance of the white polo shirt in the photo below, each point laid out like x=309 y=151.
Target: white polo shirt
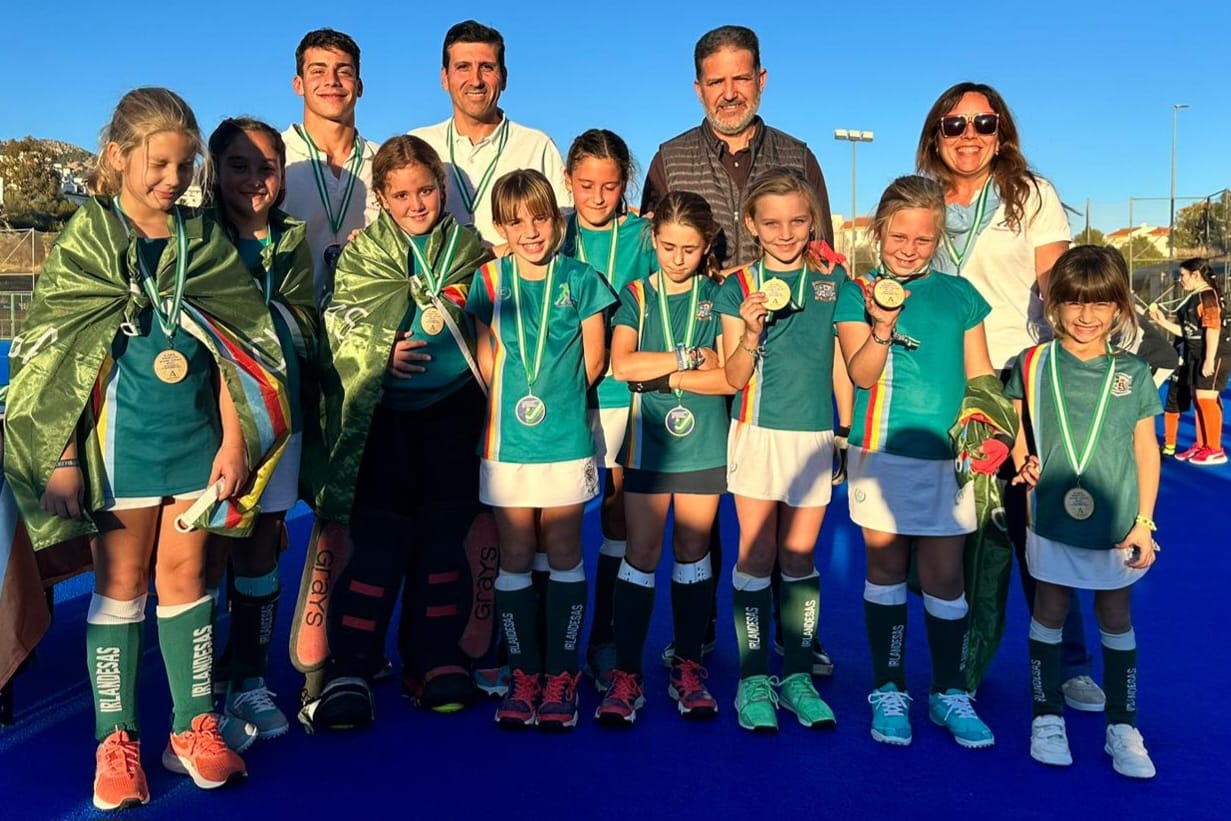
x=524 y=148
x=1001 y=267
x=303 y=201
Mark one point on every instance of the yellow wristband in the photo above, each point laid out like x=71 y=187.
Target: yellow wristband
x=1148 y=522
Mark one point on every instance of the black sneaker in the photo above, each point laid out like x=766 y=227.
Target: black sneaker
x=345 y=704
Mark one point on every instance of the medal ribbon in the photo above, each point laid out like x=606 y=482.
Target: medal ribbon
x=1100 y=413
x=468 y=199
x=611 y=255
x=171 y=319
x=318 y=170
x=269 y=269
x=665 y=313
x=799 y=289
x=541 y=343
x=980 y=208
x=435 y=281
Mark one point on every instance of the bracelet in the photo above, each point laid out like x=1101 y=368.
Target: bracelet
x=755 y=353
x=681 y=358
x=67 y=463
x=694 y=358
x=1147 y=521
x=880 y=341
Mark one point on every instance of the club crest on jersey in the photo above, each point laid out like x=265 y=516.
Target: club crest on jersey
x=705 y=311
x=564 y=298
x=824 y=292
x=1122 y=385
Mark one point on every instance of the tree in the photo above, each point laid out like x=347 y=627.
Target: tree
x=32 y=196
x=1090 y=236
x=1141 y=251
x=1205 y=225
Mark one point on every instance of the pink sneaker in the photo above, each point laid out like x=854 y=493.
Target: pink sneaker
x=1210 y=457
x=1191 y=453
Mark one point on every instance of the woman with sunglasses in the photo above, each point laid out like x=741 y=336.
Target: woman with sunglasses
x=1004 y=229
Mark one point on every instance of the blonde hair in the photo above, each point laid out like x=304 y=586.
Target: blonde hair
x=530 y=188
x=911 y=191
x=140 y=114
x=1092 y=273
x=782 y=182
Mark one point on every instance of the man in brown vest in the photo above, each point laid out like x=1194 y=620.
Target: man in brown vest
x=718 y=158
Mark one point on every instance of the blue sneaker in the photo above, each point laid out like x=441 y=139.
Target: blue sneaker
x=953 y=710
x=890 y=715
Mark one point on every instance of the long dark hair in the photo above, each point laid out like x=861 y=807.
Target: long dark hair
x=690 y=210
x=226 y=133
x=1201 y=267
x=1013 y=176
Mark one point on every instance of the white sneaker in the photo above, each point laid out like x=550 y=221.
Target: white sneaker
x=1049 y=744
x=1128 y=753
x=1081 y=693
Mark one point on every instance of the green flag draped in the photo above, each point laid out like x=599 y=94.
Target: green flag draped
x=372 y=293
x=87 y=290
x=985 y=414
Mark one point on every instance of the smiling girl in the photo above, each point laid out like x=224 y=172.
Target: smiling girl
x=131 y=291
x=777 y=330
x=1092 y=466
x=249 y=157
x=401 y=468
x=541 y=346
x=616 y=243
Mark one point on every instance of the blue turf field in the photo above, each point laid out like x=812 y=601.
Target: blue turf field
x=414 y=764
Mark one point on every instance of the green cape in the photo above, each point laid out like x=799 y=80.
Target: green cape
x=372 y=292
x=988 y=557
x=86 y=291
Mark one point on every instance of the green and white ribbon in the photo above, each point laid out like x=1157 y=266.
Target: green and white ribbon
x=1079 y=463
x=665 y=313
x=980 y=209
x=170 y=320
x=611 y=255
x=468 y=199
x=434 y=281
x=541 y=343
x=318 y=170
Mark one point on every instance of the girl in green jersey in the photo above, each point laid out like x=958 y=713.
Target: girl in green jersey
x=602 y=233
x=541 y=346
x=1092 y=465
x=667 y=345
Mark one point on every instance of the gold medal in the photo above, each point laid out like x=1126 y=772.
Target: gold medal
x=171 y=366
x=1079 y=504
x=777 y=294
x=432 y=321
x=888 y=293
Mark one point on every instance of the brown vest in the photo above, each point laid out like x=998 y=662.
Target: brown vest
x=692 y=164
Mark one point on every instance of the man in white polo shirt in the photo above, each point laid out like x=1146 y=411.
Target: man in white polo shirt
x=328 y=165
x=479 y=144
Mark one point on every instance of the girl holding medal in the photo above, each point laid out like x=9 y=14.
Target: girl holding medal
x=403 y=352
x=249 y=158
x=1091 y=463
x=541 y=345
x=602 y=233
x=912 y=340
x=777 y=329
x=667 y=345
x=130 y=290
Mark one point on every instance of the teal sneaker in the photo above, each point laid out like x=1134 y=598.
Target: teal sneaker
x=253 y=703
x=798 y=695
x=756 y=704
x=890 y=715
x=953 y=709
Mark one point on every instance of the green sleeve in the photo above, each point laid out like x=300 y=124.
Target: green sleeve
x=478 y=301
x=591 y=291
x=730 y=296
x=628 y=312
x=850 y=307
x=1014 y=389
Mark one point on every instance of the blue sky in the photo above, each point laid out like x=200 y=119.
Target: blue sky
x=1091 y=84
